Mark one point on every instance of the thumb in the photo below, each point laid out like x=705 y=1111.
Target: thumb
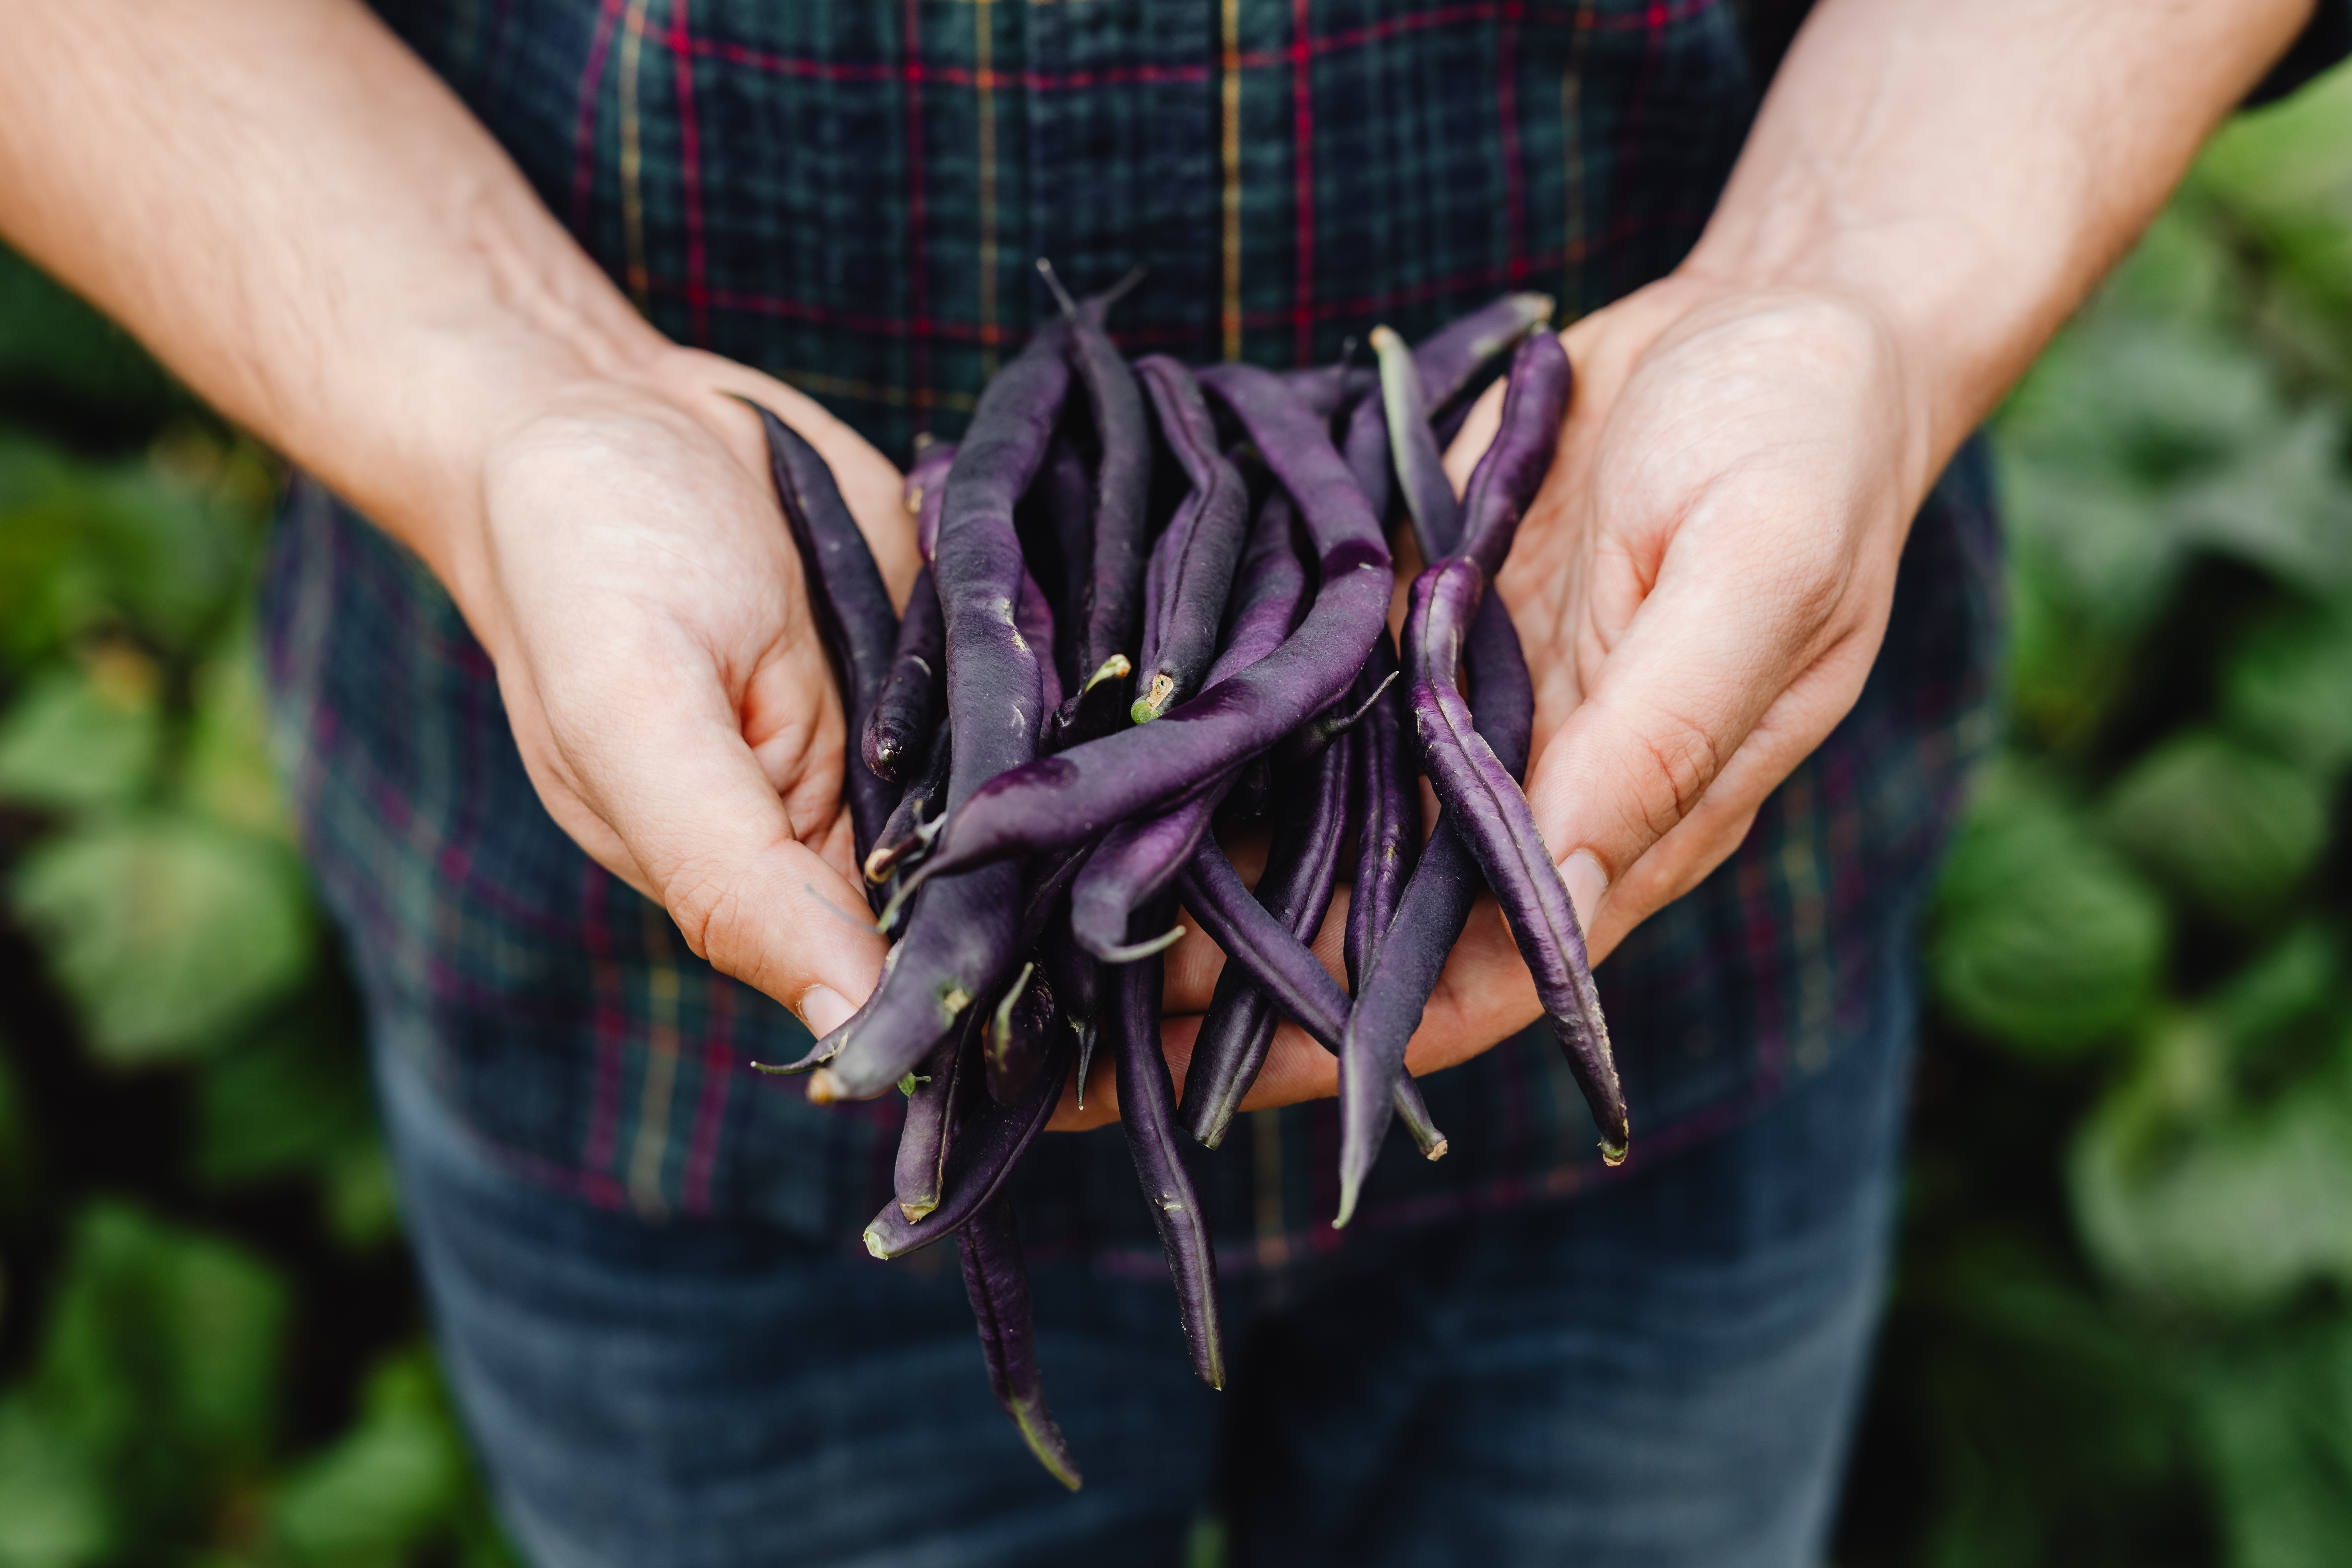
x=1715 y=693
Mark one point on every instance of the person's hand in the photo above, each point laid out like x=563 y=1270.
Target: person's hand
x=645 y=607
x=1700 y=587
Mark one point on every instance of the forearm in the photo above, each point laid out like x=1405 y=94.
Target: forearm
x=288 y=208
x=1967 y=171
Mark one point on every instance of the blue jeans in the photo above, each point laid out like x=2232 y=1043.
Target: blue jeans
x=1662 y=1371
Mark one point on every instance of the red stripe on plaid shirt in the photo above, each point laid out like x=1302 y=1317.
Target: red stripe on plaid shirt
x=690 y=153
x=583 y=134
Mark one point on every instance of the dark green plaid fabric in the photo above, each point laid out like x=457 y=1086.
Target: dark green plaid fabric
x=850 y=195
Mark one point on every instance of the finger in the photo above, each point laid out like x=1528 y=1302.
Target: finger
x=1674 y=702
x=870 y=484
x=1706 y=837
x=665 y=765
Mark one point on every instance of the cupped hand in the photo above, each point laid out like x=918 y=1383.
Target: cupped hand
x=1701 y=587
x=643 y=605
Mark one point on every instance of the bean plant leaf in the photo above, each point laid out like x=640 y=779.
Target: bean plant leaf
x=165 y=929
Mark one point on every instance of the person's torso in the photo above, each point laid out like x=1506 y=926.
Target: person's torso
x=851 y=195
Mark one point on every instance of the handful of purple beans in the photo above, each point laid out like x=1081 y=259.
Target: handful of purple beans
x=1155 y=599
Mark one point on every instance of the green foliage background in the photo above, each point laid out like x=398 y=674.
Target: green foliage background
x=2121 y=1331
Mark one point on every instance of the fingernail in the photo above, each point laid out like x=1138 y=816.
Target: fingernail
x=823 y=1010
x=1586 y=883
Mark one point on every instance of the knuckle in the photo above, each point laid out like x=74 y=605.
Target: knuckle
x=1671 y=759
x=707 y=904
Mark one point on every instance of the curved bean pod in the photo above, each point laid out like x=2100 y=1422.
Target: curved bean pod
x=985 y=1146
x=1420 y=467
x=1493 y=818
x=1387 y=812
x=961 y=932
x=1448 y=359
x=1147 y=1115
x=1122 y=502
x=851 y=605
x=1191 y=574
x=926 y=488
x=936 y=1104
x=914 y=690
x=1301 y=872
x=908 y=832
x=996 y=1281
x=1081 y=793
x=1291 y=974
x=1535 y=404
x=1430 y=912
x=1133 y=867
x=1019 y=1034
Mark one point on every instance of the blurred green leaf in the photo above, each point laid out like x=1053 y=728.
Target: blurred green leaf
x=53 y=1511
x=160 y=1363
x=2042 y=940
x=228 y=769
x=291 y=1095
x=2279 y=502
x=391 y=1484
x=37 y=538
x=2185 y=1194
x=2276 y=1421
x=2231 y=830
x=2287 y=170
x=363 y=1202
x=2289 y=685
x=166 y=930
x=82 y=739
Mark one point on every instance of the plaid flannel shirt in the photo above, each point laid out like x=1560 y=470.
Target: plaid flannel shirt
x=848 y=195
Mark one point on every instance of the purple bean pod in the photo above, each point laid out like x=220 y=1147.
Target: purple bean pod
x=1147 y=1115
x=1387 y=812
x=984 y=1149
x=1134 y=866
x=996 y=1281
x=962 y=932
x=1085 y=791
x=1301 y=873
x=1296 y=979
x=936 y=1104
x=851 y=605
x=1324 y=390
x=926 y=489
x=916 y=819
x=1122 y=503
x=1430 y=912
x=1448 y=360
x=1065 y=492
x=1033 y=614
x=1020 y=1032
x=1077 y=981
x=1492 y=816
x=914 y=693
x=1191 y=574
x=1139 y=858
x=1535 y=405
x=1419 y=465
